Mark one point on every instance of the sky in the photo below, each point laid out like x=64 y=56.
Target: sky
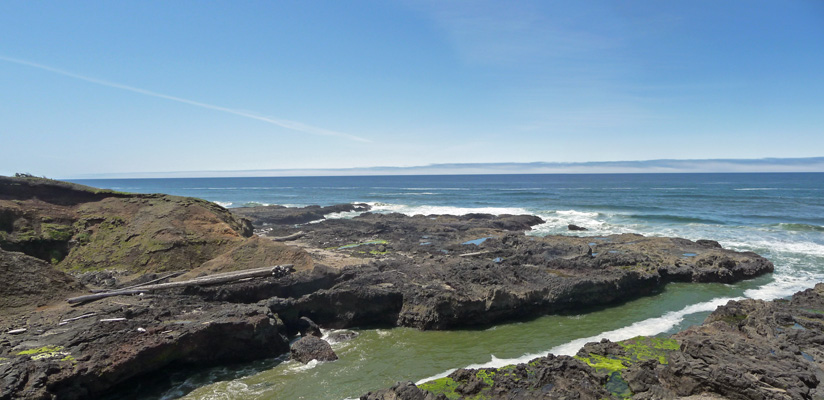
x=97 y=88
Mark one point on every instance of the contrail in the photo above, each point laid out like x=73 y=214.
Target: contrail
x=283 y=123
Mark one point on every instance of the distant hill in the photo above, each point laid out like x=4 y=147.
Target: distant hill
x=811 y=164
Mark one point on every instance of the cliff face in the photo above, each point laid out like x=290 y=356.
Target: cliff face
x=78 y=228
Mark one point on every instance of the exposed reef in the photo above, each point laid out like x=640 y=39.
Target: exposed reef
x=441 y=272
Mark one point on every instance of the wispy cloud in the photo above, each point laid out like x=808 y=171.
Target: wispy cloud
x=283 y=123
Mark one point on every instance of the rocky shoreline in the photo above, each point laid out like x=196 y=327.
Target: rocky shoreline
x=746 y=349
x=427 y=272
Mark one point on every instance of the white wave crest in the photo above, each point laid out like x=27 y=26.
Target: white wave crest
x=443 y=210
x=343 y=215
x=557 y=223
x=224 y=204
x=783 y=286
x=779 y=246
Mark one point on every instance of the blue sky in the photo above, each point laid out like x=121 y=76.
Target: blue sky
x=93 y=88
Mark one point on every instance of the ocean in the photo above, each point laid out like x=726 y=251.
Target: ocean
x=777 y=215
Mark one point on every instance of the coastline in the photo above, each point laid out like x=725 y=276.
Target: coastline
x=506 y=232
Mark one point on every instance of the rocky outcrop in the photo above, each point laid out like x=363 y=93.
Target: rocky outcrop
x=310 y=348
x=746 y=349
x=79 y=229
x=83 y=353
x=441 y=272
x=403 y=391
x=280 y=215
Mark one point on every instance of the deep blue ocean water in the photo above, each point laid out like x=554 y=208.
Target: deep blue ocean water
x=778 y=215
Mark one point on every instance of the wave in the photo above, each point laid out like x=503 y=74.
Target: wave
x=254 y=204
x=794 y=227
x=674 y=219
x=647 y=327
x=778 y=246
x=224 y=204
x=419 y=188
x=783 y=286
x=405 y=194
x=444 y=210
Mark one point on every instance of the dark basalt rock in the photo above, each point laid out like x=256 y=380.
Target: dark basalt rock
x=280 y=215
x=67 y=358
x=307 y=327
x=310 y=348
x=424 y=273
x=402 y=391
x=574 y=227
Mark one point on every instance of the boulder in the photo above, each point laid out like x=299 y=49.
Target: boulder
x=310 y=348
x=573 y=227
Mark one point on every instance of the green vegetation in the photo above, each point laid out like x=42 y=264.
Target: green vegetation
x=486 y=375
x=46 y=352
x=445 y=386
x=636 y=349
x=57 y=231
x=40 y=350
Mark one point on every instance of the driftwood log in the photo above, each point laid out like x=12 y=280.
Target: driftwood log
x=278 y=270
x=287 y=238
x=479 y=253
x=162 y=278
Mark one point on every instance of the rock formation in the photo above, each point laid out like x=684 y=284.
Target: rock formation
x=310 y=348
x=746 y=349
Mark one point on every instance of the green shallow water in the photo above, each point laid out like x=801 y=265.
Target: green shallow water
x=379 y=357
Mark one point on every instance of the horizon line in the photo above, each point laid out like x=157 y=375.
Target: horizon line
x=658 y=166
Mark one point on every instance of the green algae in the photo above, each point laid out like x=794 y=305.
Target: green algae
x=637 y=349
x=40 y=350
x=487 y=376
x=445 y=386
x=604 y=363
x=647 y=348
x=47 y=352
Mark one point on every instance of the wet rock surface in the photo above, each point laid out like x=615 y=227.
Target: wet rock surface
x=746 y=349
x=310 y=348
